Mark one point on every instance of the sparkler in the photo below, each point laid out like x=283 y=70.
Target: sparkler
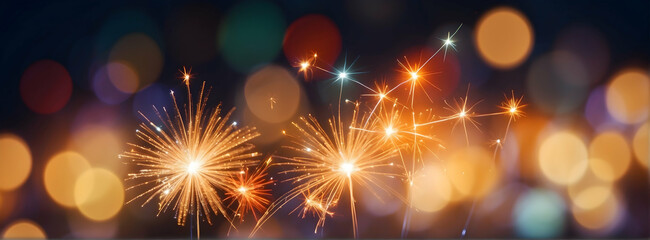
x=249 y=192
x=327 y=164
x=191 y=157
x=404 y=129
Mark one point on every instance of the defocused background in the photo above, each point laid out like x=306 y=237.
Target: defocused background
x=75 y=74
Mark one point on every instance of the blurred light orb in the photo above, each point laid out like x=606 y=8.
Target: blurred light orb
x=23 y=228
x=251 y=34
x=563 y=158
x=628 y=96
x=603 y=216
x=590 y=191
x=527 y=130
x=589 y=45
x=141 y=62
x=556 y=83
x=379 y=202
x=15 y=161
x=96 y=113
x=105 y=90
x=596 y=110
x=592 y=197
x=504 y=37
x=272 y=94
x=61 y=173
x=472 y=172
x=641 y=144
x=100 y=145
x=539 y=213
x=99 y=194
x=122 y=76
x=609 y=155
x=309 y=35
x=431 y=189
x=45 y=86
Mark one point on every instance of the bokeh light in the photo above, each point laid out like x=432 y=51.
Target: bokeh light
x=98 y=194
x=563 y=158
x=23 y=228
x=379 y=202
x=527 y=131
x=641 y=144
x=61 y=173
x=596 y=110
x=605 y=215
x=431 y=189
x=137 y=55
x=122 y=76
x=590 y=46
x=15 y=161
x=539 y=214
x=628 y=96
x=96 y=113
x=609 y=155
x=590 y=191
x=272 y=94
x=504 y=37
x=105 y=90
x=556 y=83
x=472 y=172
x=45 y=86
x=245 y=40
x=100 y=145
x=312 y=34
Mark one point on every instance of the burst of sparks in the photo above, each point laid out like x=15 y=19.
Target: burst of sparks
x=330 y=164
x=189 y=159
x=273 y=101
x=403 y=130
x=249 y=191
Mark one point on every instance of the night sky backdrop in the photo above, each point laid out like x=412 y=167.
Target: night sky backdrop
x=76 y=73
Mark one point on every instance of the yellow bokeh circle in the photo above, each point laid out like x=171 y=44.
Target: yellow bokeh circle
x=504 y=37
x=472 y=173
x=61 y=174
x=430 y=190
x=627 y=96
x=563 y=158
x=609 y=155
x=15 y=162
x=590 y=191
x=641 y=144
x=600 y=217
x=98 y=194
x=23 y=229
x=272 y=94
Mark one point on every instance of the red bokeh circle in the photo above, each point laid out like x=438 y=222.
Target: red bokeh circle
x=45 y=86
x=312 y=34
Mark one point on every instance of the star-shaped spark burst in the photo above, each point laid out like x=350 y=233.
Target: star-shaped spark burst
x=188 y=161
